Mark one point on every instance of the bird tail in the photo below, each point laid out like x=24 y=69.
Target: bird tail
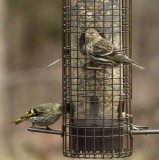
x=20 y=120
x=137 y=65
x=125 y=59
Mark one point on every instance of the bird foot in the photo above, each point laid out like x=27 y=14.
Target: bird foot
x=33 y=126
x=48 y=128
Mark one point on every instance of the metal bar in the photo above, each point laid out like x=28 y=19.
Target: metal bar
x=112 y=81
x=77 y=71
x=85 y=103
x=43 y=130
x=63 y=69
x=137 y=132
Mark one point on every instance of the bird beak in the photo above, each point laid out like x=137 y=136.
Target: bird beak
x=87 y=34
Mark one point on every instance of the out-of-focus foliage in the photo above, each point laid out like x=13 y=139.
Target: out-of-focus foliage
x=44 y=15
x=33 y=29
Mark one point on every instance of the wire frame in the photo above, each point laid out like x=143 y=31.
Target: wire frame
x=98 y=124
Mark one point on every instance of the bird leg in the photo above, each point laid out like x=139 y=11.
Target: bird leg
x=48 y=128
x=33 y=126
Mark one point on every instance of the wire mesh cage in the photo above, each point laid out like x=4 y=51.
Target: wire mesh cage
x=99 y=122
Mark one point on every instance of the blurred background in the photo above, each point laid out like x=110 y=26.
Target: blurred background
x=30 y=38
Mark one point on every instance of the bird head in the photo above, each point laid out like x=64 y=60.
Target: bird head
x=92 y=34
x=57 y=107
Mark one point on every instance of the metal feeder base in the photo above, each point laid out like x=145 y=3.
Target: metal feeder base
x=97 y=139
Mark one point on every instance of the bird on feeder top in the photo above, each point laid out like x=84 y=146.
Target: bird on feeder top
x=44 y=115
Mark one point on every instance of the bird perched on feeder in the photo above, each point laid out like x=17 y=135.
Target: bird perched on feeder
x=99 y=59
x=104 y=52
x=44 y=115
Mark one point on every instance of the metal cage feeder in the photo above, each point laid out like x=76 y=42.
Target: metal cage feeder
x=99 y=122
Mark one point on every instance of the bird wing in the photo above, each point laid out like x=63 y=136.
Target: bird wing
x=44 y=105
x=31 y=113
x=37 y=111
x=119 y=57
x=103 y=47
x=42 y=108
x=104 y=61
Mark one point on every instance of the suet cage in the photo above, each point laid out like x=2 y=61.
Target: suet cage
x=99 y=122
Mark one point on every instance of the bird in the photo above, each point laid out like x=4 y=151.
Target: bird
x=100 y=44
x=104 y=52
x=121 y=58
x=43 y=115
x=99 y=59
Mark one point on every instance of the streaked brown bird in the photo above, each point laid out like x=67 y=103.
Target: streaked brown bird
x=104 y=52
x=44 y=115
x=99 y=59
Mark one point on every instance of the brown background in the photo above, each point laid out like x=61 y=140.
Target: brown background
x=30 y=38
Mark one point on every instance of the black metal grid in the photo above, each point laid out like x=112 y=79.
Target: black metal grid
x=99 y=122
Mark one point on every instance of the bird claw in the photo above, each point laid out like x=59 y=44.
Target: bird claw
x=48 y=128
x=33 y=126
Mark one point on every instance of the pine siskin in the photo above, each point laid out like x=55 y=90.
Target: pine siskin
x=101 y=46
x=44 y=114
x=99 y=59
x=104 y=52
x=121 y=58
